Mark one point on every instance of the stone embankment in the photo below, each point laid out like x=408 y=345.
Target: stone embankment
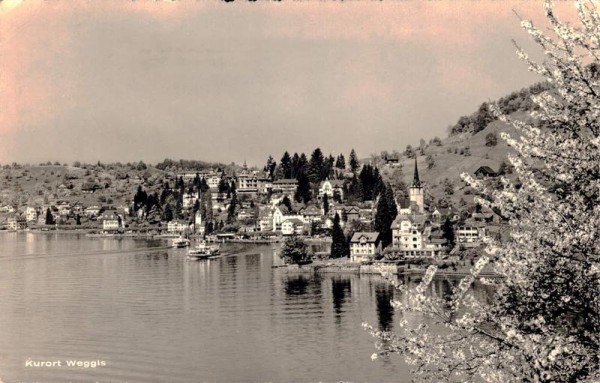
x=324 y=267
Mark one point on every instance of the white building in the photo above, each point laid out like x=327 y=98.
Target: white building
x=177 y=226
x=364 y=246
x=285 y=185
x=16 y=223
x=292 y=226
x=470 y=232
x=189 y=199
x=331 y=189
x=247 y=182
x=92 y=211
x=278 y=218
x=413 y=236
x=31 y=214
x=111 y=220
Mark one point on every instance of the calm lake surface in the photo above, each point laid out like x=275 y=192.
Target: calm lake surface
x=152 y=316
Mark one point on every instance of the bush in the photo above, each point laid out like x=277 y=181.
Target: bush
x=491 y=139
x=295 y=251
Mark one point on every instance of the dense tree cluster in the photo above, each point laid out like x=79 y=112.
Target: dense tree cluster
x=165 y=203
x=520 y=100
x=196 y=165
x=364 y=185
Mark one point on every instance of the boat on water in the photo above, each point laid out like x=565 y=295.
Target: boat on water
x=180 y=242
x=203 y=251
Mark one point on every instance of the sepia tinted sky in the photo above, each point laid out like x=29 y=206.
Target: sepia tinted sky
x=123 y=80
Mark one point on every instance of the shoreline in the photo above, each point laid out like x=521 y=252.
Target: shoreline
x=353 y=268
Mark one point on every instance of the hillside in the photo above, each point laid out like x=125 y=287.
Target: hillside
x=39 y=184
x=465 y=150
x=449 y=163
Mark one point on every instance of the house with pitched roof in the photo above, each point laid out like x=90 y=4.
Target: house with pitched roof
x=111 y=220
x=364 y=246
x=285 y=186
x=470 y=232
x=414 y=236
x=485 y=172
x=177 y=226
x=292 y=226
x=16 y=222
x=311 y=214
x=247 y=182
x=334 y=189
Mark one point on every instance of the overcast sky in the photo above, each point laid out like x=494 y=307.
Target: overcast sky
x=122 y=80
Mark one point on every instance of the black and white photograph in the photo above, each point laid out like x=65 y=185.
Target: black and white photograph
x=288 y=191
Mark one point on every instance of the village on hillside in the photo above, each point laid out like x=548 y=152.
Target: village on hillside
x=364 y=208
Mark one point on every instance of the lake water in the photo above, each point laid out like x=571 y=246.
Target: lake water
x=152 y=316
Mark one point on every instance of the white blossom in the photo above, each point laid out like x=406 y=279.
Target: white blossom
x=543 y=324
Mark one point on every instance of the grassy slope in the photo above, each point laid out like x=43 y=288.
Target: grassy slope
x=450 y=165
x=23 y=184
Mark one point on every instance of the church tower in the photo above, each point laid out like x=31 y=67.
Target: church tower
x=416 y=191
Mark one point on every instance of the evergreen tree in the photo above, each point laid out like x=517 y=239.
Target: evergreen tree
x=328 y=165
x=49 y=217
x=302 y=164
x=340 y=163
x=165 y=193
x=179 y=184
x=303 y=189
x=388 y=192
x=315 y=166
x=272 y=170
x=207 y=214
x=384 y=217
x=339 y=244
x=178 y=209
x=168 y=212
x=448 y=232
x=139 y=200
x=325 y=204
x=270 y=162
x=231 y=214
x=196 y=207
x=354 y=164
x=287 y=203
x=203 y=185
x=286 y=165
x=223 y=186
x=208 y=228
x=295 y=165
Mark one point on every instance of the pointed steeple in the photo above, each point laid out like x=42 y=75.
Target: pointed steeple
x=245 y=165
x=416 y=182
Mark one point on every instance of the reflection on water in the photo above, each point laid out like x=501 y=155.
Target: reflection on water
x=385 y=311
x=340 y=287
x=296 y=285
x=155 y=317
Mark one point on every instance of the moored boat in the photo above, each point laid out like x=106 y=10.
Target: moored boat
x=180 y=242
x=203 y=251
